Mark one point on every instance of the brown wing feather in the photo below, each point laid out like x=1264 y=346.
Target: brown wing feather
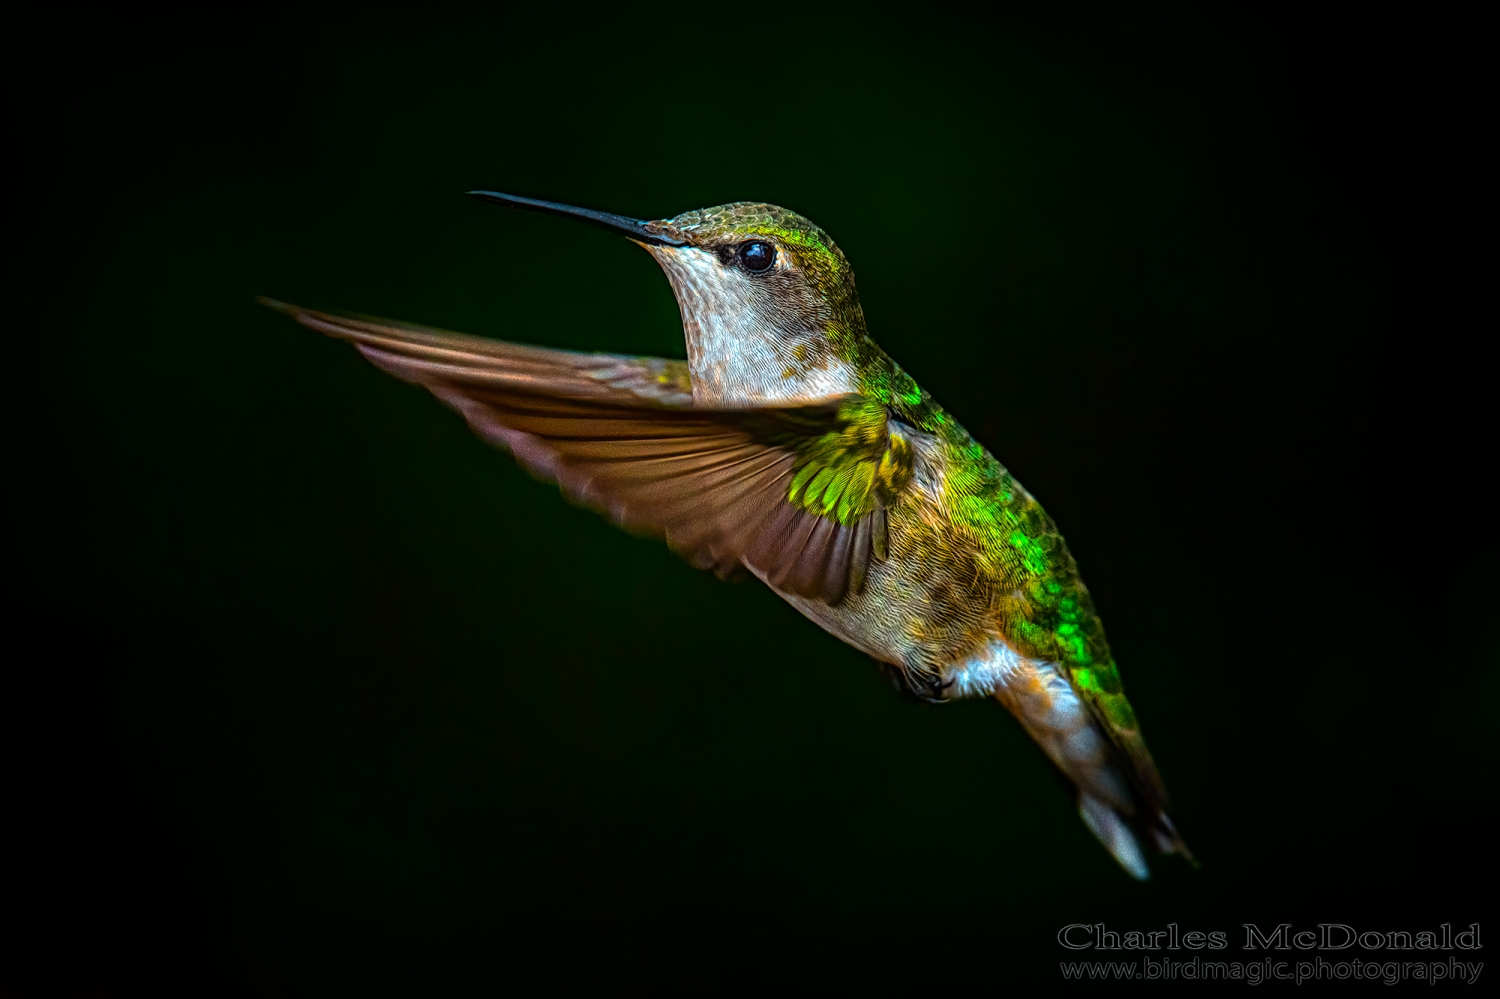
x=621 y=434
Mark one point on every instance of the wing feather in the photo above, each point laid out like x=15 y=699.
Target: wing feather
x=621 y=434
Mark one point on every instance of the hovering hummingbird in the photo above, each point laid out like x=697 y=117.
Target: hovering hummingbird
x=790 y=445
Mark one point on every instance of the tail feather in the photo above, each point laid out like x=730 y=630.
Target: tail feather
x=1118 y=838
x=1122 y=805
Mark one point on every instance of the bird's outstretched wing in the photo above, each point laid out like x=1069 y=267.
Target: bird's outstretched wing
x=797 y=494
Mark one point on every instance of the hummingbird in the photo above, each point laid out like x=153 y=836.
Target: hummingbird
x=789 y=445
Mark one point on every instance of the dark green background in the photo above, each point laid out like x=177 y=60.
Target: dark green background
x=320 y=688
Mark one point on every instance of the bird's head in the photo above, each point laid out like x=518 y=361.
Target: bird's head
x=769 y=308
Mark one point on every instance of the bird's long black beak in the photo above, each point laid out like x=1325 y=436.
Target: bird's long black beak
x=633 y=228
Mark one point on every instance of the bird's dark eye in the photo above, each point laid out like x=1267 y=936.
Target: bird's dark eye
x=757 y=256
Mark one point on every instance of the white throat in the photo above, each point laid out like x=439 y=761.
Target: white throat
x=736 y=357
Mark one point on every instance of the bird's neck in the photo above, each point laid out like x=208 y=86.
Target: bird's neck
x=736 y=361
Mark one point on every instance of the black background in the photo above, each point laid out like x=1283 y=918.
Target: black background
x=317 y=692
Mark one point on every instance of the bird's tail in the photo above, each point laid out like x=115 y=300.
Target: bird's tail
x=1120 y=797
x=1122 y=832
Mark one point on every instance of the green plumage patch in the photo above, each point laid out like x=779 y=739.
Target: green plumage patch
x=845 y=472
